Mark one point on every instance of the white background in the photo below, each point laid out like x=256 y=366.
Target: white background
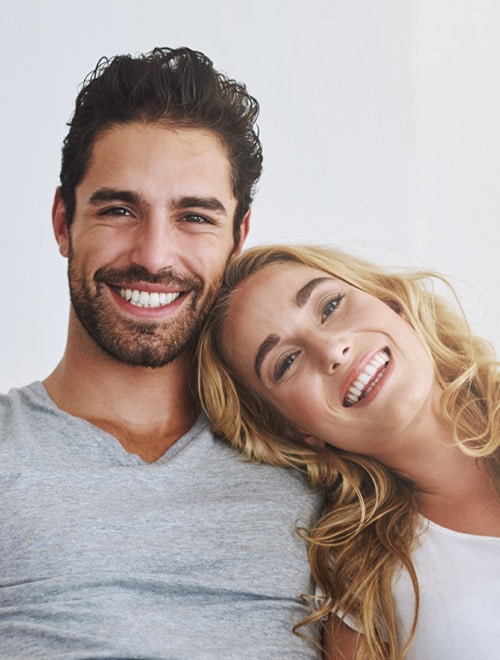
x=379 y=120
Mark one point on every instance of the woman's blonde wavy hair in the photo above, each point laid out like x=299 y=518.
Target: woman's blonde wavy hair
x=370 y=518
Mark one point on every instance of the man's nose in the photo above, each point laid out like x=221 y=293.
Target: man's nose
x=154 y=246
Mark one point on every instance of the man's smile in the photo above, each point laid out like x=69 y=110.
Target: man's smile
x=148 y=299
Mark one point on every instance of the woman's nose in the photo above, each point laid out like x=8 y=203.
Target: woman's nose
x=333 y=351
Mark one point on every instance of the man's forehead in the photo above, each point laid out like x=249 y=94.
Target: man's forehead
x=135 y=150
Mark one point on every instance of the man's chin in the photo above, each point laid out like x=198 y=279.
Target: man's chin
x=143 y=344
x=150 y=356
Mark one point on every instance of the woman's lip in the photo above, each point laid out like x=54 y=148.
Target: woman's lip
x=363 y=377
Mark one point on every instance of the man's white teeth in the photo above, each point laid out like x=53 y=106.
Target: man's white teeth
x=366 y=381
x=147 y=299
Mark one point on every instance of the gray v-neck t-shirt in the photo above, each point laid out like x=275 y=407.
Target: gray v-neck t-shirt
x=105 y=556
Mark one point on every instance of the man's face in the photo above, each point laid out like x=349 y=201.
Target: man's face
x=151 y=235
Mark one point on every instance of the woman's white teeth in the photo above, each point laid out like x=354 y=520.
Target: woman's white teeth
x=147 y=299
x=367 y=379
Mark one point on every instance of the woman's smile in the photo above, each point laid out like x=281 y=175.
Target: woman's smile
x=367 y=379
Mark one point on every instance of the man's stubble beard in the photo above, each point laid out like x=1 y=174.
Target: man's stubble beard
x=142 y=344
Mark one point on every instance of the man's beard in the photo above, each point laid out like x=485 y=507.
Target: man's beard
x=134 y=342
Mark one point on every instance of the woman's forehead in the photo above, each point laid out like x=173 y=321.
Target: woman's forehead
x=286 y=274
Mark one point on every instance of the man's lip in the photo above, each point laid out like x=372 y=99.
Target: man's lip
x=146 y=286
x=357 y=369
x=160 y=302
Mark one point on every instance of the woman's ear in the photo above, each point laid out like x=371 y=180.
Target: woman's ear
x=313 y=441
x=300 y=436
x=396 y=307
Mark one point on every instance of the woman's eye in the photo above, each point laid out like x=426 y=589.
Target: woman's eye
x=331 y=305
x=283 y=365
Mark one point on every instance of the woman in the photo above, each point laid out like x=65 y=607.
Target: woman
x=374 y=385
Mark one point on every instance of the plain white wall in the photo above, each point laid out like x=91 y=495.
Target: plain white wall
x=379 y=121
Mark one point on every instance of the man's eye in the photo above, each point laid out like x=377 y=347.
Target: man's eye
x=119 y=211
x=283 y=365
x=195 y=218
x=331 y=306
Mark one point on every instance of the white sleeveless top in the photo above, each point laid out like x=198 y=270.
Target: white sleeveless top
x=459 y=580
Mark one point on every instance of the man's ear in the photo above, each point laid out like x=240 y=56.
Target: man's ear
x=244 y=229
x=59 y=224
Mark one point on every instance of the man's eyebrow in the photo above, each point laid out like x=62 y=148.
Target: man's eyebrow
x=129 y=197
x=303 y=294
x=113 y=195
x=194 y=201
x=264 y=349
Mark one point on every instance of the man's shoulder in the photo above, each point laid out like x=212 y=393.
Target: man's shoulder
x=25 y=411
x=19 y=400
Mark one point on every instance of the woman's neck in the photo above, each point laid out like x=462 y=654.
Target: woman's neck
x=457 y=493
x=454 y=490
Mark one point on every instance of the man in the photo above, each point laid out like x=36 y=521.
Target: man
x=127 y=529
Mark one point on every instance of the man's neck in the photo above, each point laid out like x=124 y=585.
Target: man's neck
x=146 y=410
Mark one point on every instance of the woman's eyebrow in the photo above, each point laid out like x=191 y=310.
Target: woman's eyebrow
x=303 y=294
x=264 y=349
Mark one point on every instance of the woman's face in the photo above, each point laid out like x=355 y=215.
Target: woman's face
x=337 y=362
